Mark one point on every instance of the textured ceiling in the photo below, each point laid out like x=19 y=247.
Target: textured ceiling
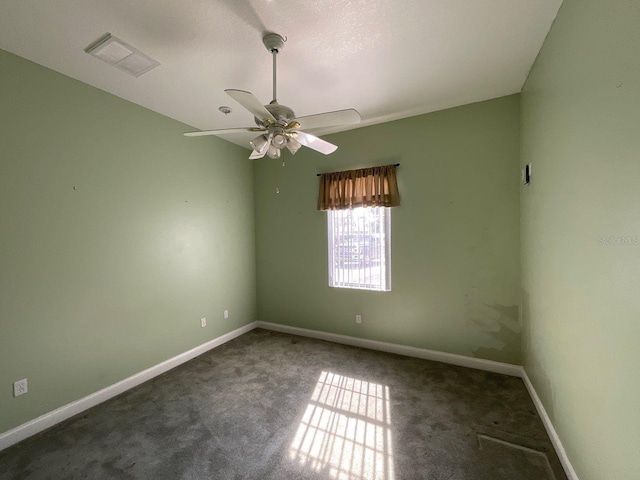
x=387 y=59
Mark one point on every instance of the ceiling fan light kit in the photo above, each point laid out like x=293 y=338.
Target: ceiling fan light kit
x=279 y=124
x=293 y=145
x=260 y=144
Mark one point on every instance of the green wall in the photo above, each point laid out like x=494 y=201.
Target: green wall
x=117 y=235
x=455 y=238
x=581 y=234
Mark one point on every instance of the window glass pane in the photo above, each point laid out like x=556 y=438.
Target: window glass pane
x=359 y=248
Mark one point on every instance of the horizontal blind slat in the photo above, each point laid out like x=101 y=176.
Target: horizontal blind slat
x=359 y=253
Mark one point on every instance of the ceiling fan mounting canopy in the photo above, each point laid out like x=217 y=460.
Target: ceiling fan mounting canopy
x=273 y=41
x=278 y=124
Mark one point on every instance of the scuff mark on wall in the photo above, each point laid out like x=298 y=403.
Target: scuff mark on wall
x=508 y=351
x=499 y=326
x=525 y=313
x=534 y=369
x=543 y=387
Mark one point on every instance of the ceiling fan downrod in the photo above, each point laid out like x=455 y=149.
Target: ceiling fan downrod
x=275 y=55
x=274 y=44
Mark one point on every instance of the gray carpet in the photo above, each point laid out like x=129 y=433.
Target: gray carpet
x=273 y=406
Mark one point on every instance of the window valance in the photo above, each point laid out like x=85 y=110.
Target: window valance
x=366 y=187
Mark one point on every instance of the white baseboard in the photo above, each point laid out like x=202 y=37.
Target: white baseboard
x=551 y=431
x=460 y=360
x=58 y=415
x=451 y=358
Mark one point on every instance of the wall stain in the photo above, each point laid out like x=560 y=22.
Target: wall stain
x=500 y=326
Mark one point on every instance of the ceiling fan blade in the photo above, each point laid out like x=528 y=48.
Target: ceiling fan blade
x=255 y=155
x=349 y=116
x=315 y=143
x=251 y=103
x=222 y=131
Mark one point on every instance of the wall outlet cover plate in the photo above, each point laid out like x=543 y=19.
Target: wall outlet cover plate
x=20 y=387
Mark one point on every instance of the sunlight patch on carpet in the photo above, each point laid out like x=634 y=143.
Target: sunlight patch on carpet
x=345 y=430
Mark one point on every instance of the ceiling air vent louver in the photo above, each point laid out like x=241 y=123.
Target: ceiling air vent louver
x=121 y=55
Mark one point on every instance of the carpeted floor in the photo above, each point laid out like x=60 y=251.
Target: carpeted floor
x=274 y=406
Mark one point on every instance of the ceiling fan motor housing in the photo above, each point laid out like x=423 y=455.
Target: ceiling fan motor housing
x=282 y=113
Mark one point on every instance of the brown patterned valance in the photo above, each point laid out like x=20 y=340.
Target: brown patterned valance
x=366 y=187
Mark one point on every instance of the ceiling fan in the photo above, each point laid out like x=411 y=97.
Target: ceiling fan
x=277 y=124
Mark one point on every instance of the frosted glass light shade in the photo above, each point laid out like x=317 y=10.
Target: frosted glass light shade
x=273 y=152
x=260 y=144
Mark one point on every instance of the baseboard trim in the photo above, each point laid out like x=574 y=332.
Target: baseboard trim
x=451 y=358
x=60 y=414
x=551 y=431
x=49 y=419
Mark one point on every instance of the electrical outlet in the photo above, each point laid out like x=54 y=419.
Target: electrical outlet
x=203 y=322
x=358 y=318
x=225 y=314
x=20 y=387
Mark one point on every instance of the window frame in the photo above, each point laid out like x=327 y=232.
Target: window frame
x=361 y=249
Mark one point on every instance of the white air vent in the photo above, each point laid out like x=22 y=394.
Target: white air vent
x=121 y=55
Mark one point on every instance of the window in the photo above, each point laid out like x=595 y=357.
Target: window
x=359 y=248
x=359 y=225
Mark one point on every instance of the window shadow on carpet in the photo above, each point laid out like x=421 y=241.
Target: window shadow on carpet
x=345 y=431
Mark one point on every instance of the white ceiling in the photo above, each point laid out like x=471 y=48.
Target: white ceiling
x=387 y=59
